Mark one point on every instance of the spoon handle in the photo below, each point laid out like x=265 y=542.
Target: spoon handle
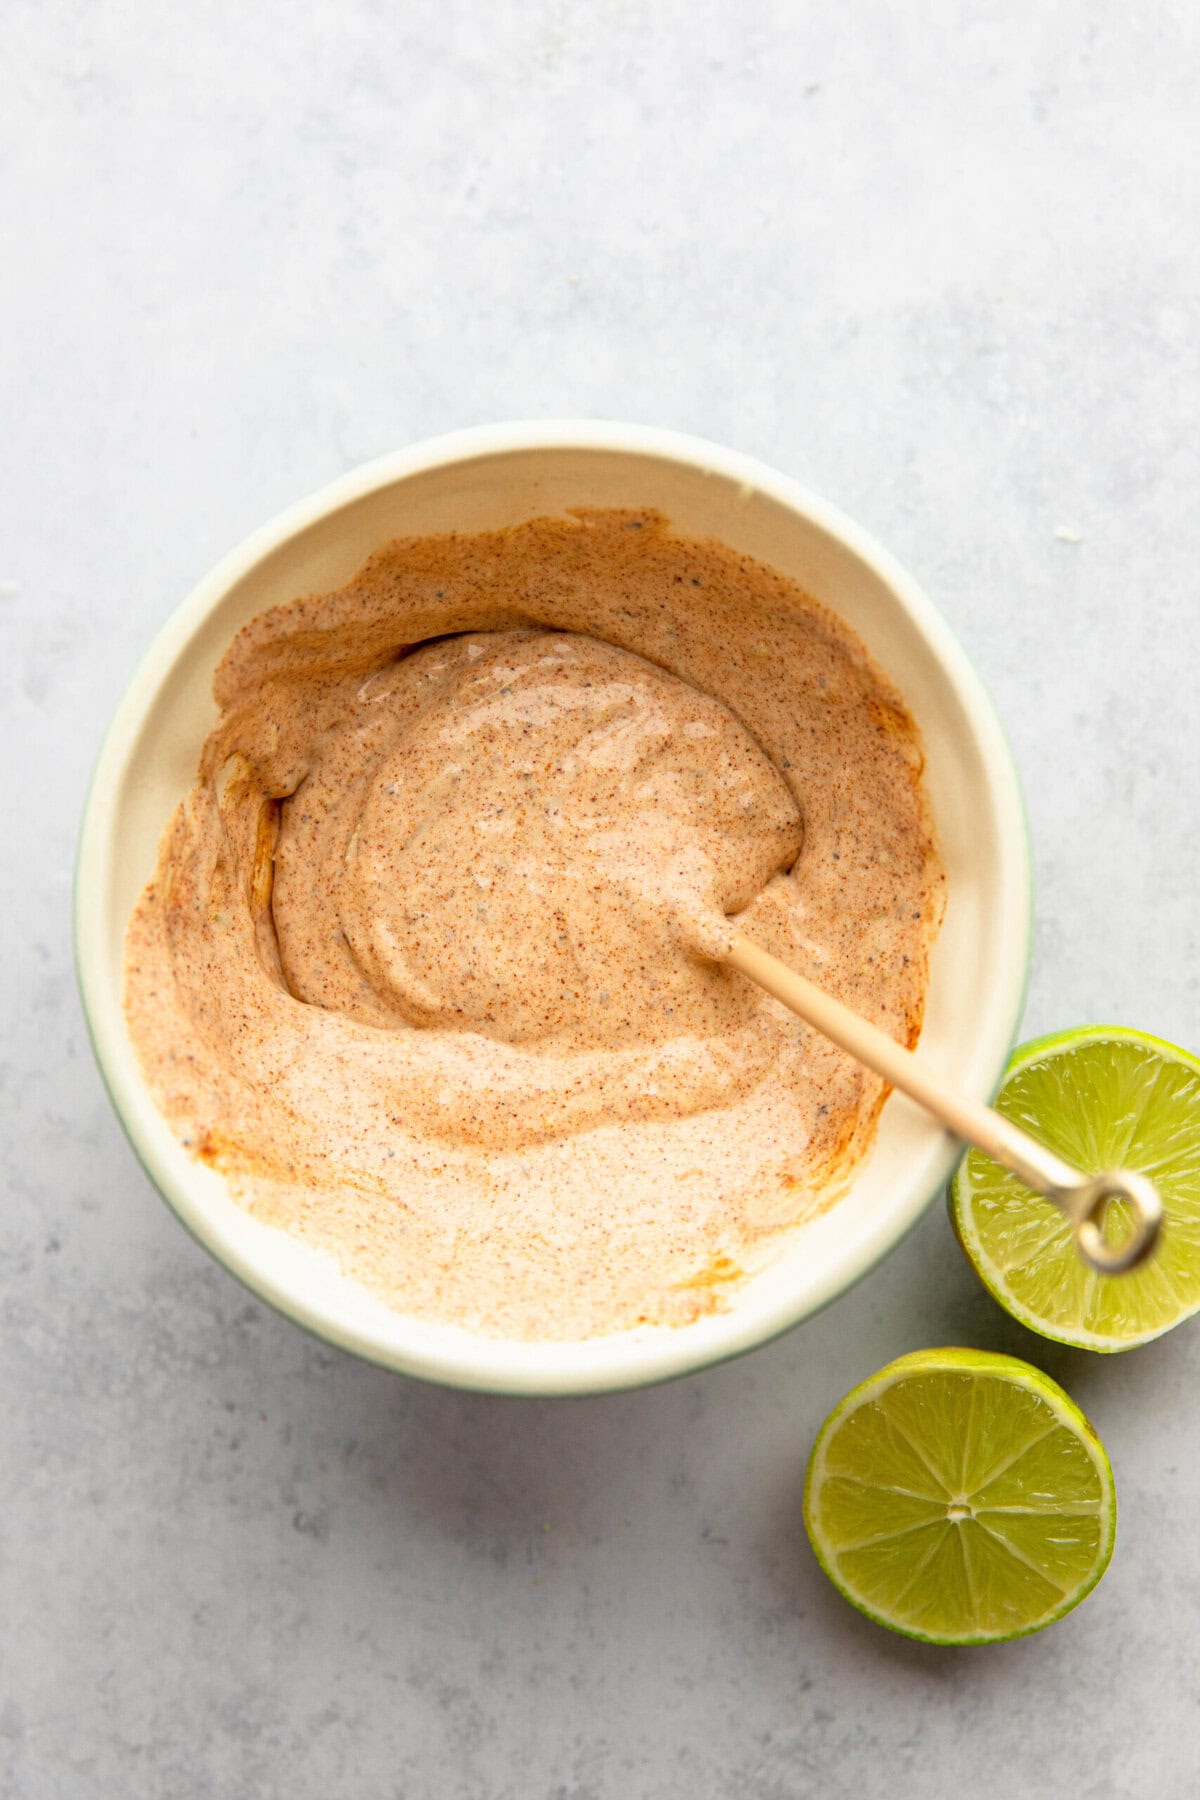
x=1083 y=1198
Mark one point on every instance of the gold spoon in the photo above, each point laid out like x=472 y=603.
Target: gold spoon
x=1083 y=1198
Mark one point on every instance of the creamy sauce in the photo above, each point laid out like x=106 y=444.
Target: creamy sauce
x=427 y=965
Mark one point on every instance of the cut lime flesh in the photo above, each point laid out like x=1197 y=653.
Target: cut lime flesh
x=1103 y=1097
x=960 y=1497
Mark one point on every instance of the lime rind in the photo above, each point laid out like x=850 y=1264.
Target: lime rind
x=1101 y=1096
x=970 y=1426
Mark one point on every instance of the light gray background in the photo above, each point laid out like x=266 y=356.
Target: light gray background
x=938 y=260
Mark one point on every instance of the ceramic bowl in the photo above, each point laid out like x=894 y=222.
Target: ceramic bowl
x=496 y=476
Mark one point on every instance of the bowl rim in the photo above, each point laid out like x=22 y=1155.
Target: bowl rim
x=466 y=1360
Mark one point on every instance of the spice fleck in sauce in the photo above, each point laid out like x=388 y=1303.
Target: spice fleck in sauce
x=422 y=968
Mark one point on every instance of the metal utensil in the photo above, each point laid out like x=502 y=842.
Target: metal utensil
x=1083 y=1198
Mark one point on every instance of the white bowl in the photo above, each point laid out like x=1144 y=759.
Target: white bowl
x=495 y=476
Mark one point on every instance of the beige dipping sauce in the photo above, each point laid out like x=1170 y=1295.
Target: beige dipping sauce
x=422 y=968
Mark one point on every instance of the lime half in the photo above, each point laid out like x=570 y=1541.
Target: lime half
x=1103 y=1097
x=960 y=1497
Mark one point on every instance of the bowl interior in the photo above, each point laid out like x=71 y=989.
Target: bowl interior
x=480 y=480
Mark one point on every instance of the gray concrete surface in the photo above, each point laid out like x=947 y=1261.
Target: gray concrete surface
x=941 y=262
